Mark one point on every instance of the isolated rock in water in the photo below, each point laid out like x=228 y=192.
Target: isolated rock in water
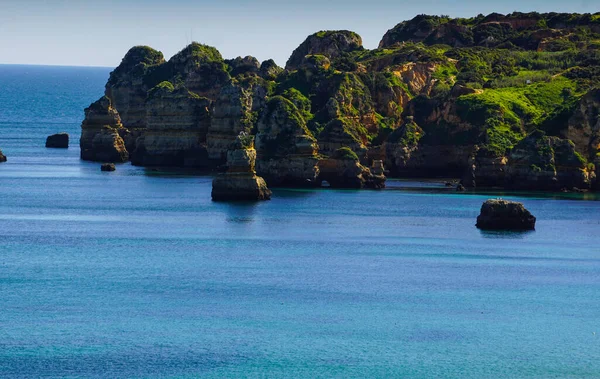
x=2 y=157
x=101 y=132
x=497 y=214
x=108 y=167
x=240 y=182
x=60 y=141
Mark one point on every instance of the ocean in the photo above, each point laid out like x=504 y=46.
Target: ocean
x=138 y=274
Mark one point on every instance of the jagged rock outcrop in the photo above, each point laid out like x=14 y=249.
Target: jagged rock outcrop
x=330 y=44
x=101 y=134
x=129 y=83
x=240 y=182
x=177 y=123
x=269 y=70
x=58 y=141
x=2 y=157
x=498 y=214
x=343 y=170
x=287 y=150
x=201 y=68
x=540 y=162
x=243 y=66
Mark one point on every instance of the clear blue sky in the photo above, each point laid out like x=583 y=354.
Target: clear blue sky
x=99 y=32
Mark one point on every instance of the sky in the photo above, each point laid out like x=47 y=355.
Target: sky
x=99 y=33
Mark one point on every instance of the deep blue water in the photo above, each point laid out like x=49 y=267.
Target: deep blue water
x=136 y=273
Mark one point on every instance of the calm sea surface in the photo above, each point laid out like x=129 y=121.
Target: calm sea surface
x=136 y=273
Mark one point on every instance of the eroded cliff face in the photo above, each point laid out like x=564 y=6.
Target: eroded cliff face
x=287 y=150
x=101 y=132
x=235 y=110
x=584 y=126
x=177 y=122
x=540 y=162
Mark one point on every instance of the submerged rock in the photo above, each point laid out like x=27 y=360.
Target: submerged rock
x=2 y=157
x=101 y=131
x=498 y=214
x=59 y=141
x=108 y=167
x=240 y=182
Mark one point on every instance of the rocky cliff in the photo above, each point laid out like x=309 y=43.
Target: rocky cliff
x=177 y=122
x=439 y=97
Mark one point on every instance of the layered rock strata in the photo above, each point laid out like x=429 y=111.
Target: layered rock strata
x=177 y=122
x=287 y=150
x=101 y=131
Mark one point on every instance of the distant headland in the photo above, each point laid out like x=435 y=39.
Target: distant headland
x=509 y=101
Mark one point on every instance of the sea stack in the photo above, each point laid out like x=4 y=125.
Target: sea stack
x=240 y=182
x=498 y=214
x=2 y=157
x=58 y=141
x=101 y=131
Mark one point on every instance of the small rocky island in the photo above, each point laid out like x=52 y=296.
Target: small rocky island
x=2 y=157
x=507 y=101
x=240 y=182
x=58 y=141
x=498 y=214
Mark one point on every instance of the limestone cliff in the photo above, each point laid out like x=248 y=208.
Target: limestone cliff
x=541 y=162
x=101 y=131
x=235 y=110
x=439 y=97
x=287 y=150
x=177 y=123
x=584 y=126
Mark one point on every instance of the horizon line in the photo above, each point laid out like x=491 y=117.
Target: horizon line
x=53 y=65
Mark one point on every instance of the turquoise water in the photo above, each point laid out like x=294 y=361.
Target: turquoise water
x=136 y=273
